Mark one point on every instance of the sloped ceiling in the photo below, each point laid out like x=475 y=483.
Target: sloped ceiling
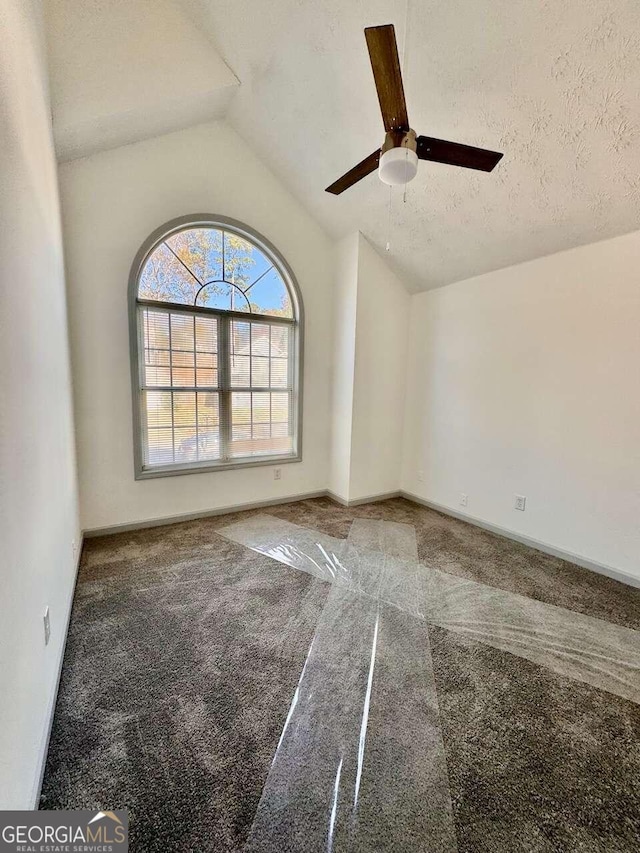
x=124 y=70
x=553 y=84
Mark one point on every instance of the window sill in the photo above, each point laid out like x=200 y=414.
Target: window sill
x=208 y=467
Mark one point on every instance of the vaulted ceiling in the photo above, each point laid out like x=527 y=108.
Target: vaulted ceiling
x=552 y=84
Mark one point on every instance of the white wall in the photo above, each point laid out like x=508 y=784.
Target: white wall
x=380 y=377
x=111 y=202
x=527 y=381
x=345 y=297
x=38 y=502
x=370 y=318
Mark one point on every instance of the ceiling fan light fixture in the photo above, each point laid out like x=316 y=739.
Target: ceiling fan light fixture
x=397 y=159
x=398 y=166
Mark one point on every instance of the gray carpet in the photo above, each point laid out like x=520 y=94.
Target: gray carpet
x=404 y=683
x=536 y=762
x=176 y=685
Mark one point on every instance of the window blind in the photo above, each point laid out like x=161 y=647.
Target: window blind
x=214 y=388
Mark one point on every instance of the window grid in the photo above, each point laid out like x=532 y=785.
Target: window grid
x=226 y=349
x=173 y=431
x=180 y=269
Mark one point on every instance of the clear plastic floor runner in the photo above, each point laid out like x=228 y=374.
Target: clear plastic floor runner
x=361 y=763
x=379 y=559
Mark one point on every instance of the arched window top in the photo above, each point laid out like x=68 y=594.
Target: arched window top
x=216 y=265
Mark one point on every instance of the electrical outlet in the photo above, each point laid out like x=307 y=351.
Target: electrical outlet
x=421 y=476
x=520 y=502
x=74 y=549
x=464 y=499
x=47 y=626
x=277 y=473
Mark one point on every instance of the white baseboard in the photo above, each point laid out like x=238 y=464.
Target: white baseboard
x=207 y=513
x=357 y=501
x=226 y=510
x=51 y=708
x=546 y=548
x=578 y=559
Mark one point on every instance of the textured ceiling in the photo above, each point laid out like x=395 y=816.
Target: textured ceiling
x=123 y=70
x=554 y=84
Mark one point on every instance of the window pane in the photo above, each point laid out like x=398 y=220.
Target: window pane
x=208 y=444
x=240 y=337
x=181 y=426
x=183 y=378
x=206 y=360
x=260 y=424
x=155 y=357
x=259 y=339
x=158 y=408
x=240 y=371
x=195 y=434
x=223 y=296
x=241 y=432
x=156 y=329
x=208 y=426
x=269 y=295
x=260 y=408
x=159 y=447
x=260 y=372
x=182 y=326
x=176 y=367
x=279 y=372
x=206 y=369
x=239 y=260
x=240 y=354
x=206 y=378
x=200 y=250
x=183 y=372
x=241 y=408
x=165 y=279
x=280 y=336
x=186 y=444
x=184 y=409
x=208 y=410
x=206 y=334
x=182 y=359
x=157 y=376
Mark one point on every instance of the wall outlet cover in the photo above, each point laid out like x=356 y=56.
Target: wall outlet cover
x=464 y=499
x=520 y=502
x=277 y=473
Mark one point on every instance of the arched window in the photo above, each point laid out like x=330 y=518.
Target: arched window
x=216 y=339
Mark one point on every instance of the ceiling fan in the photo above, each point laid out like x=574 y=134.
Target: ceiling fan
x=397 y=160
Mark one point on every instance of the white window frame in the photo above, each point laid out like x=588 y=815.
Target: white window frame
x=224 y=318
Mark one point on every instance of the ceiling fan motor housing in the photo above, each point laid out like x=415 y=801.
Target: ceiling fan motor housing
x=398 y=158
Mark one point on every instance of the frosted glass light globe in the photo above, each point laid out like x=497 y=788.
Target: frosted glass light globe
x=398 y=166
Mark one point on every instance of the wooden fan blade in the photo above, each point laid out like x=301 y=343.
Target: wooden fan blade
x=455 y=154
x=364 y=168
x=383 y=52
